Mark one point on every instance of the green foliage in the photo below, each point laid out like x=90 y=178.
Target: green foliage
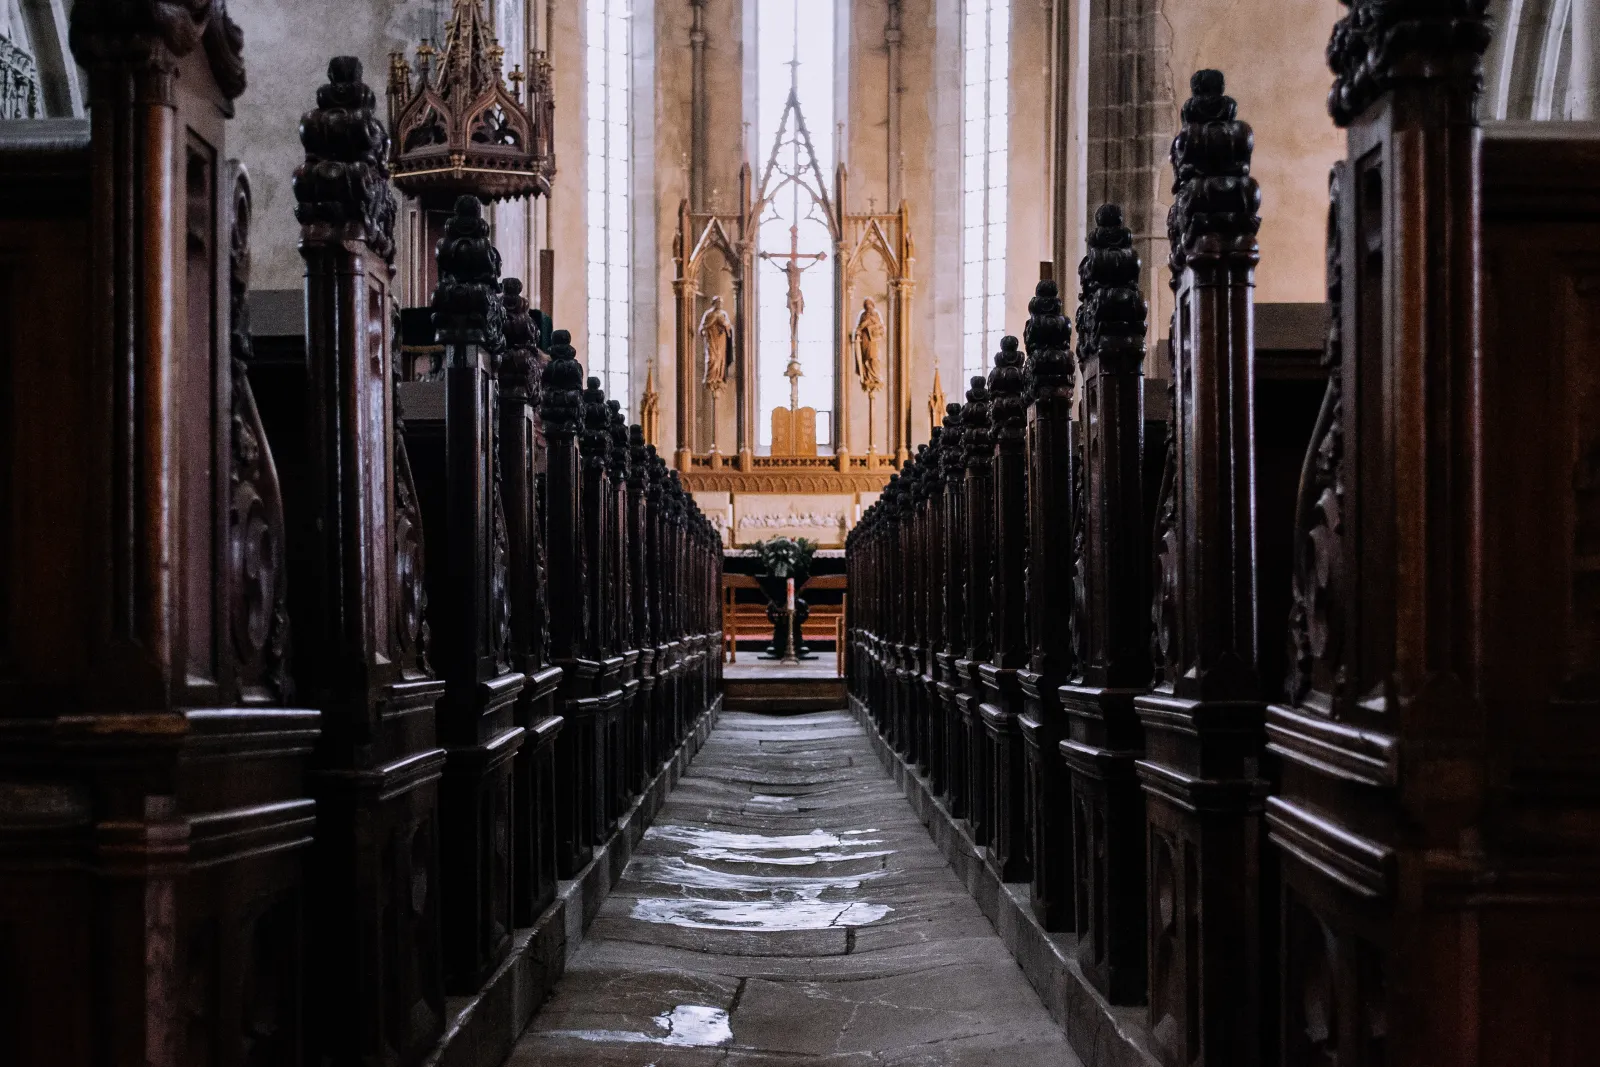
x=786 y=557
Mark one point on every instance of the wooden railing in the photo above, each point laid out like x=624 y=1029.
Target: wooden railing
x=1374 y=848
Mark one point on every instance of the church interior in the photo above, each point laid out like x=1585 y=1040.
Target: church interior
x=763 y=532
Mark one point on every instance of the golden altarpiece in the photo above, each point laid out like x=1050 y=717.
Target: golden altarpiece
x=707 y=330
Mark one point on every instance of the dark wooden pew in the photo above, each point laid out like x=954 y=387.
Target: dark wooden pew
x=156 y=811
x=280 y=764
x=357 y=572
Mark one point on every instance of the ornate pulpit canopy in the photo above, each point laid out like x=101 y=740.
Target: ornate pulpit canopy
x=459 y=129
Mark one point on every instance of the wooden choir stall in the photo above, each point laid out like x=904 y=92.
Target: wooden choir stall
x=1381 y=845
x=319 y=688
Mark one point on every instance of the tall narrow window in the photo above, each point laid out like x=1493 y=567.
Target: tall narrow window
x=986 y=58
x=794 y=121
x=610 y=235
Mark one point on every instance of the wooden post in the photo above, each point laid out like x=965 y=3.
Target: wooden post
x=1054 y=507
x=360 y=599
x=1439 y=599
x=1002 y=688
x=954 y=464
x=568 y=590
x=979 y=563
x=596 y=520
x=468 y=580
x=934 y=641
x=1112 y=618
x=533 y=817
x=1203 y=723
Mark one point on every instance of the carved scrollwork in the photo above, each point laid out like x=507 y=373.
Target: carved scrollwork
x=410 y=592
x=410 y=587
x=258 y=612
x=425 y=130
x=500 y=581
x=497 y=127
x=1164 y=606
x=1316 y=625
x=1382 y=43
x=1078 y=623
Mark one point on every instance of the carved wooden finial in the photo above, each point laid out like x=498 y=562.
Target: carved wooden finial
x=1111 y=310
x=1008 y=383
x=466 y=307
x=562 y=409
x=975 y=421
x=342 y=189
x=1384 y=43
x=1048 y=339
x=620 y=456
x=1215 y=200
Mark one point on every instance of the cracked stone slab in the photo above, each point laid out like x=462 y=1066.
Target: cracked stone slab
x=788 y=907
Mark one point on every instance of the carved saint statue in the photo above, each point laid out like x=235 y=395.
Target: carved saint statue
x=868 y=339
x=716 y=340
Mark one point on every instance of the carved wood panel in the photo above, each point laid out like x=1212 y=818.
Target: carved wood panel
x=197 y=376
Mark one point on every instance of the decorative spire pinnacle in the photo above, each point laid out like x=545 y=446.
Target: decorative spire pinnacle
x=650 y=408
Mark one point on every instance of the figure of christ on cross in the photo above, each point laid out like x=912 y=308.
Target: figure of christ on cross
x=797 y=304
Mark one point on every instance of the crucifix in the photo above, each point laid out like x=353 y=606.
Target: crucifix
x=792 y=270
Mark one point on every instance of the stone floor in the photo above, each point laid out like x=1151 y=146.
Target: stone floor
x=789 y=908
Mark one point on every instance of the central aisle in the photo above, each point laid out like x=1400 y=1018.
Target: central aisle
x=788 y=907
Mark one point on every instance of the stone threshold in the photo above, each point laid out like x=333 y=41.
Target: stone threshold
x=483 y=1028
x=1101 y=1033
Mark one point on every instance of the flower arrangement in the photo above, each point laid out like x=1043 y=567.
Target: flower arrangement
x=786 y=557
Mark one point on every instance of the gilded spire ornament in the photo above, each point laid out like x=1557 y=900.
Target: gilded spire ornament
x=936 y=405
x=459 y=129
x=650 y=408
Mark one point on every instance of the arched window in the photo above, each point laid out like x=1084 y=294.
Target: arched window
x=795 y=61
x=985 y=96
x=609 y=156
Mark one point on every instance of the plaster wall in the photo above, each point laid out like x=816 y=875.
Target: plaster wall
x=1272 y=54
x=288 y=44
x=1028 y=237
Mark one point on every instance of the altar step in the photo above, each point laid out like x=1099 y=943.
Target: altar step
x=754 y=684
